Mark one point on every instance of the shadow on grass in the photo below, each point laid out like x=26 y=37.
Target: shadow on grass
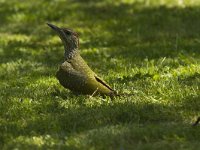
x=192 y=104
x=116 y=121
x=132 y=33
x=53 y=118
x=190 y=80
x=129 y=31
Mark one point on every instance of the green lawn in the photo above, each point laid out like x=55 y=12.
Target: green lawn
x=149 y=48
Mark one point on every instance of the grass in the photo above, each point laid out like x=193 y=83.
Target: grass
x=147 y=48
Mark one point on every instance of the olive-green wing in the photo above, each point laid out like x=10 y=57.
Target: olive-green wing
x=70 y=78
x=101 y=81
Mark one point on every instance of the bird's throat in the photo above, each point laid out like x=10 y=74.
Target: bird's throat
x=70 y=50
x=70 y=53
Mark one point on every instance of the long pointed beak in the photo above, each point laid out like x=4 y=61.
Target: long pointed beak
x=55 y=28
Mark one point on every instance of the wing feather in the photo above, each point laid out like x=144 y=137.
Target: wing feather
x=103 y=82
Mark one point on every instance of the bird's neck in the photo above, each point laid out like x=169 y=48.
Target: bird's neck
x=70 y=51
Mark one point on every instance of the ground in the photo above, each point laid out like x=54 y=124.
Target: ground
x=147 y=48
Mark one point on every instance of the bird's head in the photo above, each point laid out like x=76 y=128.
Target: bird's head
x=69 y=38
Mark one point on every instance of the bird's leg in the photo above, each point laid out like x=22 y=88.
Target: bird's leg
x=94 y=93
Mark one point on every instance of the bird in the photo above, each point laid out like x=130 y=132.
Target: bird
x=74 y=73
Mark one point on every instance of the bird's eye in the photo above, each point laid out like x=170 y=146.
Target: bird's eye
x=67 y=32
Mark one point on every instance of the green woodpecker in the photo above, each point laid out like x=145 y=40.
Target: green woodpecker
x=74 y=73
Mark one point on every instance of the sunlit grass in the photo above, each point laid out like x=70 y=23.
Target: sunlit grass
x=147 y=48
